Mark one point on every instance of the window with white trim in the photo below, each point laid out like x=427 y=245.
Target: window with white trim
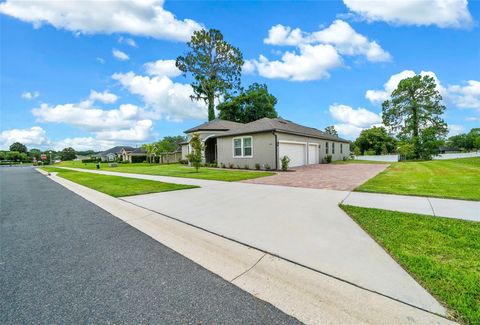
x=341 y=147
x=326 y=148
x=333 y=148
x=243 y=147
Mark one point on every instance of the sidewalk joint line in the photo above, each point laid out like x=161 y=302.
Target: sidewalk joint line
x=247 y=270
x=431 y=206
x=346 y=197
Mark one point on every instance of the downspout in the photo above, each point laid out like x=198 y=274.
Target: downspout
x=276 y=150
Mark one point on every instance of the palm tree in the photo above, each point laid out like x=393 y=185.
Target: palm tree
x=150 y=148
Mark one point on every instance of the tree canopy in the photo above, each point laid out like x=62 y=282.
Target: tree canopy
x=68 y=154
x=466 y=141
x=250 y=105
x=169 y=143
x=19 y=147
x=376 y=140
x=215 y=65
x=414 y=113
x=331 y=130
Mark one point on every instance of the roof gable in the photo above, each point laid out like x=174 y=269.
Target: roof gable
x=215 y=125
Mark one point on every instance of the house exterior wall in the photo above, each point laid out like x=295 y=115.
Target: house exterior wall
x=322 y=150
x=264 y=151
x=185 y=151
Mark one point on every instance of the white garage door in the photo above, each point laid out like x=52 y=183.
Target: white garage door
x=312 y=154
x=294 y=151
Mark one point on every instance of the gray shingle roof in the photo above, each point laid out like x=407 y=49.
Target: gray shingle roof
x=279 y=125
x=215 y=125
x=116 y=149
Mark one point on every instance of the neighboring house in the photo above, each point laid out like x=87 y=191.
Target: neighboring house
x=265 y=142
x=113 y=153
x=133 y=155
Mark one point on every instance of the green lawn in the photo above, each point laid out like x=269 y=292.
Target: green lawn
x=442 y=254
x=176 y=170
x=115 y=185
x=455 y=178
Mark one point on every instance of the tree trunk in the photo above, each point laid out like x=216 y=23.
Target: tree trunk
x=211 y=106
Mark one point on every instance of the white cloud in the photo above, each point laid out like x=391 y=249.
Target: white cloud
x=339 y=34
x=104 y=97
x=353 y=121
x=34 y=136
x=139 y=17
x=285 y=35
x=442 y=13
x=380 y=95
x=122 y=56
x=139 y=131
x=129 y=41
x=163 y=97
x=162 y=68
x=89 y=118
x=30 y=95
x=454 y=129
x=312 y=63
x=85 y=143
x=100 y=60
x=467 y=95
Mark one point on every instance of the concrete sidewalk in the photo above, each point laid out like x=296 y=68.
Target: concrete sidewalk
x=310 y=296
x=457 y=209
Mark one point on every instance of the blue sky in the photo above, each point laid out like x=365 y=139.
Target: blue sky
x=327 y=62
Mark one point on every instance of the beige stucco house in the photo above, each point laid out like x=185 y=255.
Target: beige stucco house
x=265 y=142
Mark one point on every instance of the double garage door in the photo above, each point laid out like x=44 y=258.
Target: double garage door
x=300 y=153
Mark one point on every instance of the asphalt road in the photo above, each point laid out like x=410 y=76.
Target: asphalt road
x=64 y=260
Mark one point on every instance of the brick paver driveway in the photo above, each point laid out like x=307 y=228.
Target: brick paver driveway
x=343 y=177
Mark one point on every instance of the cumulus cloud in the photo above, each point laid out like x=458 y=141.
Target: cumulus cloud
x=30 y=95
x=85 y=143
x=380 y=95
x=139 y=17
x=339 y=34
x=34 y=136
x=129 y=41
x=352 y=121
x=104 y=97
x=312 y=63
x=442 y=13
x=455 y=129
x=122 y=56
x=317 y=52
x=466 y=95
x=163 y=97
x=162 y=68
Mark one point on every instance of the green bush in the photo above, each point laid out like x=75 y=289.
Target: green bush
x=257 y=166
x=183 y=161
x=267 y=167
x=222 y=165
x=328 y=159
x=285 y=161
x=247 y=167
x=90 y=160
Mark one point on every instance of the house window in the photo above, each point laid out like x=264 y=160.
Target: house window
x=242 y=147
x=341 y=147
x=237 y=147
x=326 y=148
x=333 y=148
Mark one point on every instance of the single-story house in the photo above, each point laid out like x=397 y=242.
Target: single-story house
x=133 y=155
x=265 y=142
x=125 y=153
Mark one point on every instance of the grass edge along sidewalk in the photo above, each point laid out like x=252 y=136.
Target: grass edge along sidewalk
x=116 y=186
x=442 y=254
x=452 y=179
x=175 y=170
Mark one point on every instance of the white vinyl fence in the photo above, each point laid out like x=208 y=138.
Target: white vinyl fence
x=382 y=158
x=456 y=155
